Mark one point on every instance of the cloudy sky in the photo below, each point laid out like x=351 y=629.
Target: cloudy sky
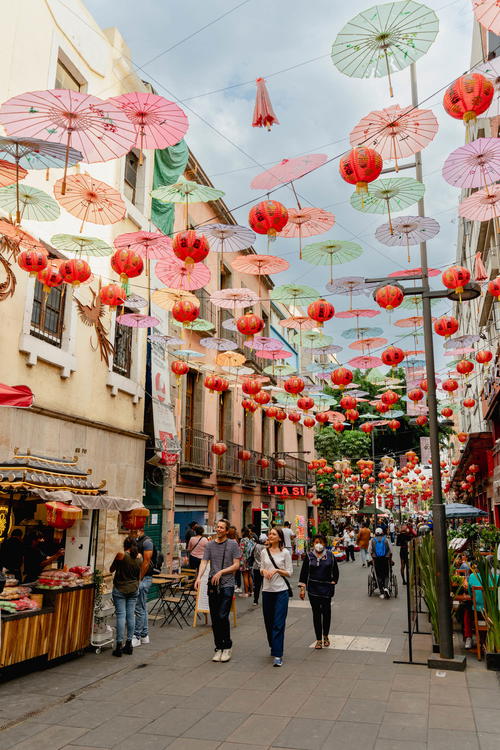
x=317 y=107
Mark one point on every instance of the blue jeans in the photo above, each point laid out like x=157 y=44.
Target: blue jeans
x=141 y=608
x=125 y=612
x=220 y=609
x=275 y=610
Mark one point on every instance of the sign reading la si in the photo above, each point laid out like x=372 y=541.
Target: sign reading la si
x=286 y=490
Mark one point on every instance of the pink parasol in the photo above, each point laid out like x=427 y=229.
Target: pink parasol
x=459 y=352
x=158 y=123
x=370 y=343
x=90 y=200
x=263 y=113
x=178 y=275
x=365 y=362
x=137 y=320
x=98 y=129
x=396 y=132
x=260 y=265
x=264 y=344
x=275 y=354
x=149 y=245
x=482 y=205
x=414 y=322
x=417 y=272
x=404 y=231
x=487 y=13
x=480 y=273
x=218 y=344
x=299 y=323
x=475 y=165
x=307 y=222
x=287 y=170
x=357 y=313
x=232 y=299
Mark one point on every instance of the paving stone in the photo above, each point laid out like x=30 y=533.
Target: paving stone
x=442 y=695
x=50 y=738
x=216 y=725
x=408 y=703
x=488 y=741
x=240 y=746
x=246 y=701
x=114 y=731
x=184 y=743
x=418 y=683
x=321 y=707
x=400 y=745
x=260 y=730
x=15 y=735
x=444 y=739
x=176 y=721
x=153 y=706
x=281 y=704
x=487 y=720
x=371 y=690
x=484 y=697
x=304 y=734
x=366 y=712
x=351 y=735
x=393 y=729
x=451 y=717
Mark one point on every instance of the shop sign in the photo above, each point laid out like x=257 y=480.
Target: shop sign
x=286 y=490
x=166 y=441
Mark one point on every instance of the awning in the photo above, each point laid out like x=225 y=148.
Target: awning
x=90 y=502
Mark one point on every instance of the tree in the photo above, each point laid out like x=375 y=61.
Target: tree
x=334 y=445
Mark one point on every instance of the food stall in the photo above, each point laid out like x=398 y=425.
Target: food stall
x=53 y=503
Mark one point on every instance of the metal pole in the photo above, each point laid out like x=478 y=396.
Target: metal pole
x=438 y=512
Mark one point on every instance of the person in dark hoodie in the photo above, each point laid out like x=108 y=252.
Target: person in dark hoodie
x=319 y=576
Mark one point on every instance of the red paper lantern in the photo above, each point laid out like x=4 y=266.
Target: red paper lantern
x=366 y=427
x=244 y=455
x=465 y=366
x=474 y=468
x=294 y=416
x=462 y=437
x=389 y=296
x=352 y=415
x=218 y=449
x=415 y=395
x=321 y=311
x=305 y=403
x=271 y=412
x=127 y=263
x=62 y=516
x=190 y=247
x=348 y=402
x=360 y=166
x=494 y=287
x=50 y=276
x=32 y=261
x=294 y=385
x=249 y=324
x=449 y=385
x=341 y=377
x=456 y=278
x=179 y=368
x=322 y=417
x=484 y=356
x=470 y=478
x=389 y=398
x=392 y=356
x=262 y=398
x=263 y=463
x=281 y=415
x=215 y=383
x=134 y=520
x=381 y=407
x=185 y=311
x=468 y=96
x=249 y=405
x=280 y=463
x=268 y=217
x=394 y=425
x=446 y=325
x=113 y=295
x=251 y=387
x=316 y=501
x=309 y=495
x=469 y=403
x=75 y=271
x=421 y=420
x=308 y=422
x=455 y=462
x=447 y=412
x=338 y=426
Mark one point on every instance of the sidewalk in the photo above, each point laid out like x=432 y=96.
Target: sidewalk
x=170 y=694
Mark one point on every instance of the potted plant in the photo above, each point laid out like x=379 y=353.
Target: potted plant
x=426 y=561
x=489 y=578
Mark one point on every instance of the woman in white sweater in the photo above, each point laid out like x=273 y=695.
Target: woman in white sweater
x=276 y=568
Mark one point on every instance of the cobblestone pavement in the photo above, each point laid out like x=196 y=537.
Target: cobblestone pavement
x=170 y=695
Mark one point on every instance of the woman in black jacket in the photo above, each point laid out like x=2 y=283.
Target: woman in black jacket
x=319 y=575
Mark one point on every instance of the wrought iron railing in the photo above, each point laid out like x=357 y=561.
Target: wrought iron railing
x=228 y=465
x=295 y=470
x=196 y=450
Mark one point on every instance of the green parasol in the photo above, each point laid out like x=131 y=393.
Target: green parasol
x=280 y=370
x=200 y=324
x=80 y=245
x=384 y=39
x=186 y=191
x=388 y=194
x=313 y=339
x=294 y=294
x=330 y=253
x=34 y=204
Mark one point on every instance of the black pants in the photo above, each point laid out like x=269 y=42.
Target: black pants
x=220 y=609
x=194 y=562
x=257 y=584
x=382 y=572
x=349 y=553
x=322 y=615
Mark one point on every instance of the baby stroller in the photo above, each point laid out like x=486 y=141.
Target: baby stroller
x=373 y=582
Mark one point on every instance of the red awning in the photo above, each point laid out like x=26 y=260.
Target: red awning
x=15 y=395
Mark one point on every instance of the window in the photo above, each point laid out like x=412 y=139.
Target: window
x=47 y=315
x=225 y=417
x=248 y=430
x=131 y=175
x=65 y=79
x=122 y=358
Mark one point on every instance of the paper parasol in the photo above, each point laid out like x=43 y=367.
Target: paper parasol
x=136 y=301
x=217 y=344
x=294 y=294
x=330 y=253
x=136 y=320
x=384 y=39
x=307 y=222
x=260 y=265
x=158 y=123
x=350 y=285
x=178 y=275
x=149 y=245
x=487 y=13
x=34 y=204
x=9 y=174
x=328 y=349
x=490 y=69
x=230 y=359
x=475 y=165
x=458 y=342
x=228 y=238
x=263 y=343
x=417 y=272
x=188 y=354
x=459 y=352
x=279 y=370
x=162 y=338
x=415 y=321
x=357 y=313
x=200 y=325
x=276 y=354
x=313 y=339
x=480 y=206
x=365 y=362
x=373 y=342
x=230 y=325
x=299 y=323
x=238 y=371
x=407 y=230
x=80 y=245
x=355 y=333
x=98 y=129
x=90 y=200
x=166 y=298
x=17 y=238
x=186 y=191
x=411 y=301
x=234 y=299
x=388 y=194
x=396 y=133
x=287 y=171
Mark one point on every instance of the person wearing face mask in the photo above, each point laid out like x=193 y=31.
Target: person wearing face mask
x=319 y=576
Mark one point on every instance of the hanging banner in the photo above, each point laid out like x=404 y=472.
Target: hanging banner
x=166 y=440
x=425 y=450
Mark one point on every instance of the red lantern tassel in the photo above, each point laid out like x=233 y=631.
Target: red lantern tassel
x=263 y=114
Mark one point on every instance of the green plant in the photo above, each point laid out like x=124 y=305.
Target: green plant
x=489 y=579
x=426 y=561
x=324 y=528
x=489 y=536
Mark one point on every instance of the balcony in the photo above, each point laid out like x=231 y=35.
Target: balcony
x=228 y=465
x=295 y=471
x=196 y=454
x=207 y=310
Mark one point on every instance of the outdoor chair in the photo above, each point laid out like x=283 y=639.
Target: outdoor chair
x=480 y=625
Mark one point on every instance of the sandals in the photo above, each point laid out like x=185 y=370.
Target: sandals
x=318 y=645
x=326 y=642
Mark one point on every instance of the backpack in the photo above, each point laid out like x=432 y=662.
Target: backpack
x=157 y=558
x=380 y=547
x=250 y=552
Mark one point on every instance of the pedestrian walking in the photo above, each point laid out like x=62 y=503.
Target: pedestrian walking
x=381 y=555
x=233 y=534
x=247 y=547
x=319 y=576
x=190 y=531
x=348 y=541
x=146 y=550
x=196 y=547
x=288 y=536
x=402 y=541
x=276 y=568
x=392 y=530
x=363 y=539
x=256 y=574
x=127 y=569
x=223 y=554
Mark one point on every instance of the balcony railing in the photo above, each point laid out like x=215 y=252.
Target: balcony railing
x=207 y=310
x=196 y=451
x=295 y=471
x=228 y=465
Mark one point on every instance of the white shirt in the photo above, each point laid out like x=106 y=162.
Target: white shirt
x=392 y=527
x=348 y=538
x=283 y=560
x=287 y=533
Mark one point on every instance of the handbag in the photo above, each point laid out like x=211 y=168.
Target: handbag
x=214 y=588
x=290 y=592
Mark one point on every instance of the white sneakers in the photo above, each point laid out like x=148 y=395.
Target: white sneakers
x=217 y=655
x=226 y=654
x=468 y=643
x=140 y=641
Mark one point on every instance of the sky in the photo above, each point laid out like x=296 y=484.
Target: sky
x=317 y=107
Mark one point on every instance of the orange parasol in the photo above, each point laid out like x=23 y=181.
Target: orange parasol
x=178 y=275
x=299 y=323
x=90 y=200
x=307 y=222
x=17 y=238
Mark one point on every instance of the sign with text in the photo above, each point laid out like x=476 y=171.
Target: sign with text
x=286 y=490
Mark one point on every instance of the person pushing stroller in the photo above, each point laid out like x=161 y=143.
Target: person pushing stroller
x=381 y=555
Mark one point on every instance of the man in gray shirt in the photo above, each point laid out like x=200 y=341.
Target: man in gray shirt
x=224 y=555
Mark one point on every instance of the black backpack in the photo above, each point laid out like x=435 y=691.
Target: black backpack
x=157 y=558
